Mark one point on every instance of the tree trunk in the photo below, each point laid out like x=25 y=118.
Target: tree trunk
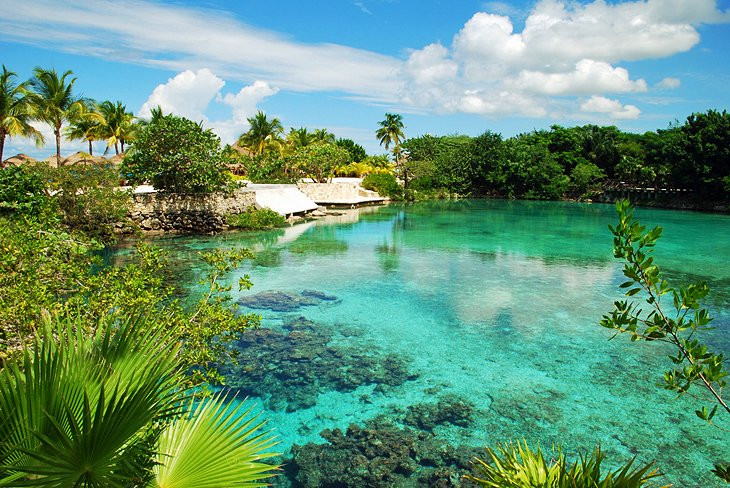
x=91 y=149
x=58 y=145
x=121 y=143
x=2 y=147
x=116 y=147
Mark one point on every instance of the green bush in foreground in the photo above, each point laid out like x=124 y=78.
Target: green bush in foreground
x=105 y=409
x=675 y=316
x=517 y=466
x=385 y=184
x=256 y=219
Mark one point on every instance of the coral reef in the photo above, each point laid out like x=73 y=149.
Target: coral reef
x=289 y=368
x=380 y=454
x=282 y=301
x=450 y=409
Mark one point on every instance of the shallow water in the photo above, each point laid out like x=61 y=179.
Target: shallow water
x=495 y=302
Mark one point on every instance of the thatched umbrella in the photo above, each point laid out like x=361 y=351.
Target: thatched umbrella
x=116 y=160
x=18 y=160
x=83 y=158
x=52 y=161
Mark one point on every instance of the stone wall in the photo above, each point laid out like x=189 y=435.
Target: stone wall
x=332 y=192
x=160 y=212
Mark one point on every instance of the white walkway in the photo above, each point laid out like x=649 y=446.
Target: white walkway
x=282 y=199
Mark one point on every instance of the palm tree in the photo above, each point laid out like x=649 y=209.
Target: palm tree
x=261 y=133
x=103 y=407
x=323 y=136
x=85 y=125
x=15 y=111
x=53 y=100
x=390 y=131
x=118 y=126
x=300 y=137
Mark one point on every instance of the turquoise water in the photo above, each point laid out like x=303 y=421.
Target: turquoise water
x=495 y=302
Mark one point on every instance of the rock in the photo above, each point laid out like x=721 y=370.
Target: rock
x=379 y=455
x=290 y=368
x=280 y=301
x=318 y=295
x=450 y=409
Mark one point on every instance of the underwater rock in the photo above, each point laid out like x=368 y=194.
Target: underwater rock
x=318 y=295
x=282 y=301
x=289 y=368
x=450 y=409
x=379 y=455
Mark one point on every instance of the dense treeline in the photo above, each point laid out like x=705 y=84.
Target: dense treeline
x=575 y=161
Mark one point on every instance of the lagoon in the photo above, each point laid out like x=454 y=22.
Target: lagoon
x=493 y=303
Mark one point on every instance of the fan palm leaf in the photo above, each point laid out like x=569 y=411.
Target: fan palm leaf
x=81 y=407
x=215 y=445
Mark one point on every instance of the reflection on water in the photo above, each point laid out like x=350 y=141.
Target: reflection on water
x=467 y=323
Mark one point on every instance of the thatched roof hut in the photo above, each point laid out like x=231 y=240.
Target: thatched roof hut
x=51 y=161
x=83 y=158
x=18 y=160
x=116 y=160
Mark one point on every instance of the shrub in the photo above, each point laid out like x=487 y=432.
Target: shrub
x=23 y=190
x=88 y=198
x=585 y=177
x=318 y=161
x=256 y=219
x=519 y=467
x=385 y=184
x=175 y=154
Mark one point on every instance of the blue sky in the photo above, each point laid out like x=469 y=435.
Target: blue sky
x=447 y=66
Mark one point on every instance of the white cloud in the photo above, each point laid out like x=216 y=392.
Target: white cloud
x=190 y=94
x=669 y=83
x=609 y=107
x=182 y=38
x=565 y=50
x=244 y=102
x=588 y=77
x=187 y=94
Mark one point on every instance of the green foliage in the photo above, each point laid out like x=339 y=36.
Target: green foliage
x=356 y=151
x=15 y=110
x=262 y=133
x=53 y=101
x=256 y=219
x=678 y=324
x=487 y=163
x=213 y=445
x=694 y=363
x=23 y=191
x=271 y=169
x=586 y=177
x=517 y=466
x=99 y=405
x=318 y=161
x=175 y=154
x=531 y=171
x=706 y=138
x=385 y=184
x=359 y=170
x=88 y=198
x=46 y=268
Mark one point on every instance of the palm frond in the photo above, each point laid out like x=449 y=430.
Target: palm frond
x=216 y=445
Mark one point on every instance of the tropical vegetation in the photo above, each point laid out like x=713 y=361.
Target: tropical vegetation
x=54 y=101
x=518 y=466
x=175 y=154
x=674 y=316
x=16 y=111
